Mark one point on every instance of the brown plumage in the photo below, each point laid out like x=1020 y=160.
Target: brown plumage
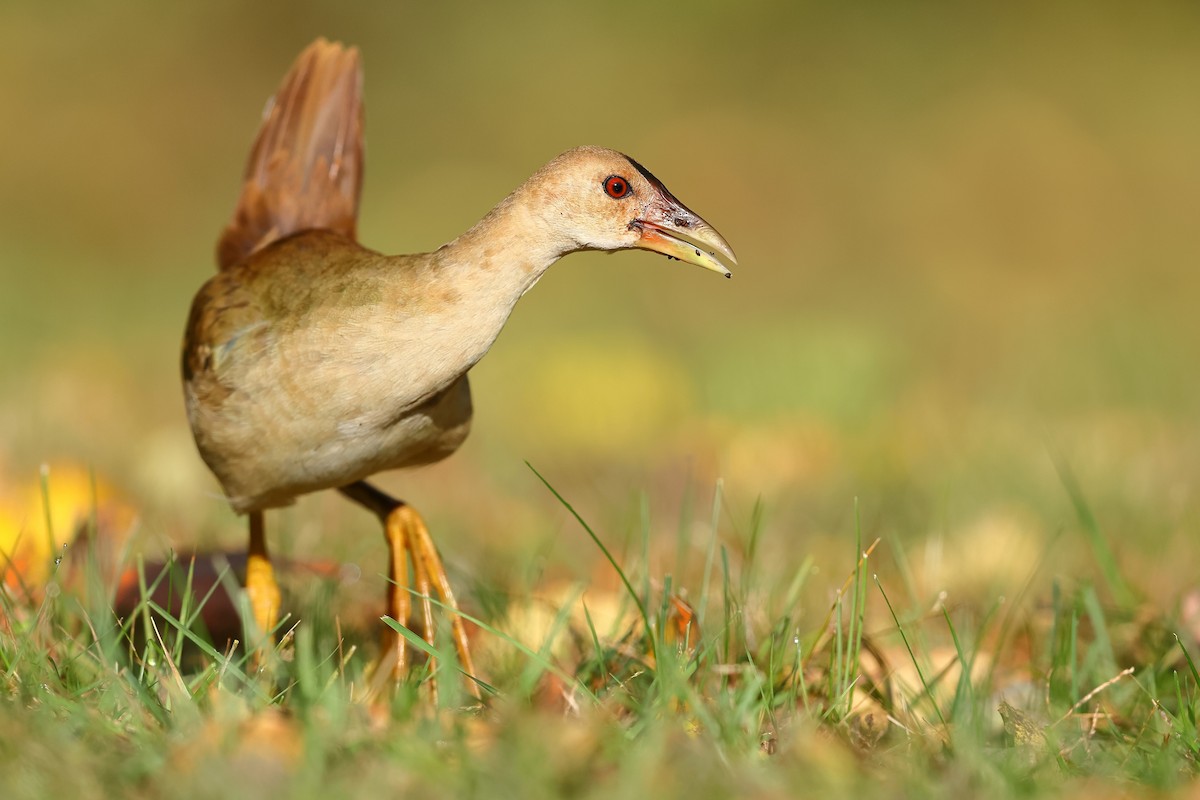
x=312 y=362
x=305 y=169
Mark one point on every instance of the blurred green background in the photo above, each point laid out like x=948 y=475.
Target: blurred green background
x=967 y=237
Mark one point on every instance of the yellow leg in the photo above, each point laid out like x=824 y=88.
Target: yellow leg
x=399 y=602
x=426 y=552
x=422 y=585
x=406 y=533
x=261 y=588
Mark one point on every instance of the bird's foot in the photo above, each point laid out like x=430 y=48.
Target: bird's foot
x=262 y=592
x=408 y=539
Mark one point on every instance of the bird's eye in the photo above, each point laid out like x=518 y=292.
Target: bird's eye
x=616 y=186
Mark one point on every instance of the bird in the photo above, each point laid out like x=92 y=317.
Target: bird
x=312 y=362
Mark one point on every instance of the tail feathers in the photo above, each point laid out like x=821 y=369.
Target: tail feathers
x=305 y=170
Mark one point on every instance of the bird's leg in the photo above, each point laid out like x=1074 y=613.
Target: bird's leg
x=399 y=603
x=406 y=532
x=424 y=550
x=261 y=588
x=421 y=579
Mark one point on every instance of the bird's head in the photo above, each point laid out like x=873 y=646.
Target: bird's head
x=599 y=199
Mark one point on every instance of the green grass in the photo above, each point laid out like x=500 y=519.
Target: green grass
x=965 y=297
x=737 y=701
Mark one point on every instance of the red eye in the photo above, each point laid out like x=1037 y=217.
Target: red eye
x=616 y=186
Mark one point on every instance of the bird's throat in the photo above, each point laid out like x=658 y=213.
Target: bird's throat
x=504 y=254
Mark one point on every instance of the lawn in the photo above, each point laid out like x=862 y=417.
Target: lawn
x=908 y=507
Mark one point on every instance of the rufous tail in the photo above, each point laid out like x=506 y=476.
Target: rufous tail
x=305 y=170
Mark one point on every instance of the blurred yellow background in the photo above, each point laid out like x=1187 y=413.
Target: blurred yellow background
x=967 y=237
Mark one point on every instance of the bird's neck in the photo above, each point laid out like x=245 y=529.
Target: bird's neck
x=505 y=253
x=480 y=276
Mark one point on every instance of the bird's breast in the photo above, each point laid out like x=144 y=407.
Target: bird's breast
x=319 y=389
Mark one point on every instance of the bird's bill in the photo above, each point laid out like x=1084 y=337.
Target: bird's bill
x=702 y=252
x=664 y=222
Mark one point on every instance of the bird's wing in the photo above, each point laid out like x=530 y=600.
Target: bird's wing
x=223 y=313
x=305 y=170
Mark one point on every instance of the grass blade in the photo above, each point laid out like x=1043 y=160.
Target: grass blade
x=913 y=656
x=1103 y=554
x=620 y=572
